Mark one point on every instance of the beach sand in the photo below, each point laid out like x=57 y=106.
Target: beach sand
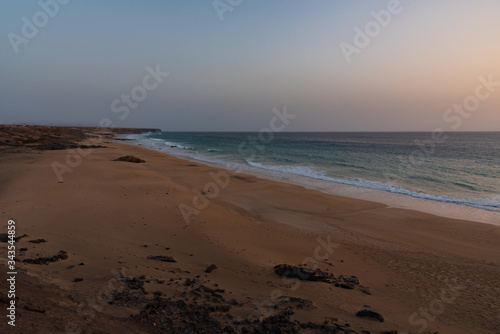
x=422 y=273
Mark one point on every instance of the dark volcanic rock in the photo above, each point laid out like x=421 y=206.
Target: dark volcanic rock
x=316 y=275
x=133 y=283
x=62 y=255
x=161 y=258
x=127 y=298
x=37 y=241
x=177 y=316
x=297 y=303
x=210 y=268
x=348 y=279
x=129 y=158
x=370 y=314
x=304 y=274
x=33 y=309
x=345 y=285
x=208 y=313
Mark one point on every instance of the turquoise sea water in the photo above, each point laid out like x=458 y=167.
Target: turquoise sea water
x=461 y=168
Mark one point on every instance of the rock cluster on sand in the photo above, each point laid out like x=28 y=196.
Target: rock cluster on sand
x=316 y=275
x=62 y=255
x=161 y=258
x=129 y=158
x=205 y=310
x=303 y=273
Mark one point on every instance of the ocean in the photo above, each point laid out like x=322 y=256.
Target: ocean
x=462 y=168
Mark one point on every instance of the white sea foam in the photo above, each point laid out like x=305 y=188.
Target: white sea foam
x=492 y=204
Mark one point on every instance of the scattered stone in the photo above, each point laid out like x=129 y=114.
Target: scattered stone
x=129 y=158
x=62 y=255
x=161 y=258
x=365 y=290
x=206 y=289
x=78 y=279
x=346 y=285
x=33 y=309
x=37 y=241
x=24 y=249
x=370 y=314
x=70 y=267
x=81 y=264
x=210 y=268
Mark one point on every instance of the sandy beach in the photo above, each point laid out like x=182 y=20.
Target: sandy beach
x=139 y=240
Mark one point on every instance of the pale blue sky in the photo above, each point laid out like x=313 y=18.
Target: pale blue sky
x=228 y=75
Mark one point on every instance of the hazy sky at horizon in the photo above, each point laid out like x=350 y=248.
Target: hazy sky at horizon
x=228 y=75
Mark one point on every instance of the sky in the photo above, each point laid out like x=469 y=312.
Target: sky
x=224 y=65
